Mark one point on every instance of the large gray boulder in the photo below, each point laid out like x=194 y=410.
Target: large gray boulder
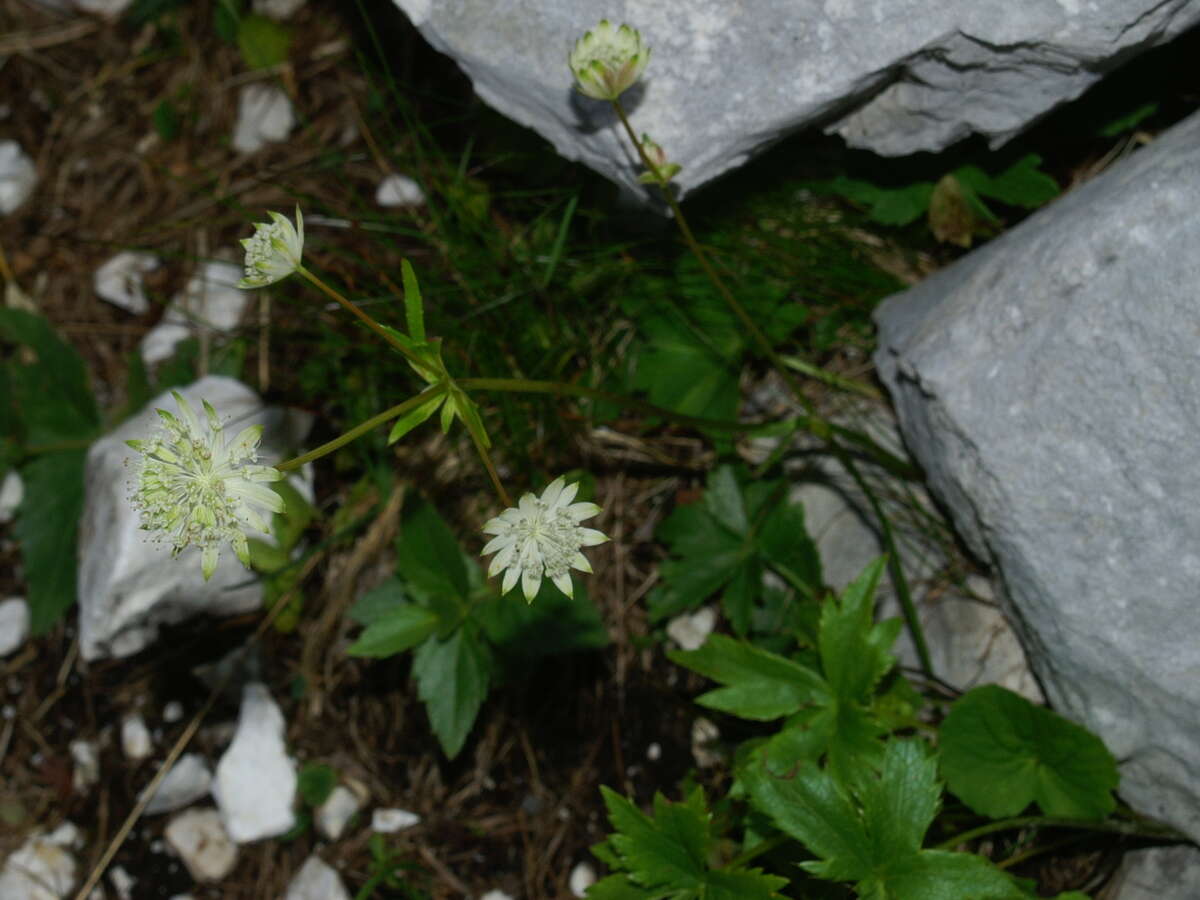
x=1049 y=383
x=726 y=80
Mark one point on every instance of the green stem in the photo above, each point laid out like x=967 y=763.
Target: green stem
x=819 y=427
x=486 y=458
x=354 y=310
x=1133 y=829
x=717 y=282
x=358 y=430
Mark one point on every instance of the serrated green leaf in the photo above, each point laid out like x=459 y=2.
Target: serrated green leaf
x=619 y=887
x=1000 y=753
x=759 y=685
x=315 y=782
x=723 y=500
x=414 y=309
x=867 y=828
x=415 y=417
x=453 y=677
x=47 y=529
x=788 y=549
x=401 y=629
x=1022 y=184
x=262 y=42
x=851 y=659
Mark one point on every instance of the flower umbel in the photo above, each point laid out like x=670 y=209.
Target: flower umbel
x=273 y=252
x=195 y=488
x=606 y=60
x=542 y=536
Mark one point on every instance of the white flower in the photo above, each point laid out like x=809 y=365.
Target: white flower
x=542 y=536
x=273 y=252
x=608 y=60
x=196 y=489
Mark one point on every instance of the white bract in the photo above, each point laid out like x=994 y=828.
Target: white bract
x=542 y=536
x=194 y=488
x=607 y=60
x=273 y=252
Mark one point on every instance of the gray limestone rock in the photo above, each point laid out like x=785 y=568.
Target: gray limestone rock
x=128 y=584
x=1047 y=383
x=727 y=80
x=1159 y=873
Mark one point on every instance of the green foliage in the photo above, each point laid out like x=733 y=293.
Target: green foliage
x=273 y=558
x=691 y=346
x=167 y=121
x=670 y=854
x=262 y=42
x=956 y=204
x=725 y=543
x=868 y=828
x=464 y=638
x=315 y=783
x=1000 y=753
x=142 y=12
x=830 y=705
x=1129 y=121
x=50 y=416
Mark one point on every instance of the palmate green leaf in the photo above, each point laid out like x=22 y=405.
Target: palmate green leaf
x=47 y=528
x=453 y=677
x=759 y=685
x=854 y=652
x=868 y=828
x=379 y=602
x=667 y=855
x=1000 y=753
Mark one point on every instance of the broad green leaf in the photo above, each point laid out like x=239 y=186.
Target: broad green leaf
x=788 y=549
x=51 y=395
x=379 y=602
x=47 y=529
x=759 y=685
x=887 y=206
x=428 y=554
x=1022 y=184
x=315 y=783
x=1000 y=753
x=453 y=677
x=415 y=417
x=853 y=656
x=414 y=309
x=399 y=630
x=941 y=875
x=262 y=42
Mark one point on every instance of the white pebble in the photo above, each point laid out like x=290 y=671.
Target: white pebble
x=135 y=737
x=399 y=190
x=316 y=880
x=691 y=630
x=17 y=176
x=264 y=116
x=173 y=711
x=387 y=821
x=119 y=280
x=201 y=842
x=332 y=816
x=704 y=735
x=583 y=876
x=87 y=764
x=188 y=781
x=12 y=492
x=122 y=882
x=14 y=624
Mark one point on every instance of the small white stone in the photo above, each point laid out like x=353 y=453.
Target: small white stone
x=704 y=735
x=399 y=190
x=691 y=630
x=332 y=816
x=119 y=280
x=255 y=785
x=277 y=9
x=264 y=115
x=316 y=880
x=42 y=869
x=654 y=752
x=122 y=882
x=496 y=895
x=87 y=764
x=583 y=876
x=172 y=712
x=188 y=781
x=14 y=624
x=12 y=492
x=386 y=821
x=18 y=175
x=135 y=737
x=201 y=842
x=211 y=299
